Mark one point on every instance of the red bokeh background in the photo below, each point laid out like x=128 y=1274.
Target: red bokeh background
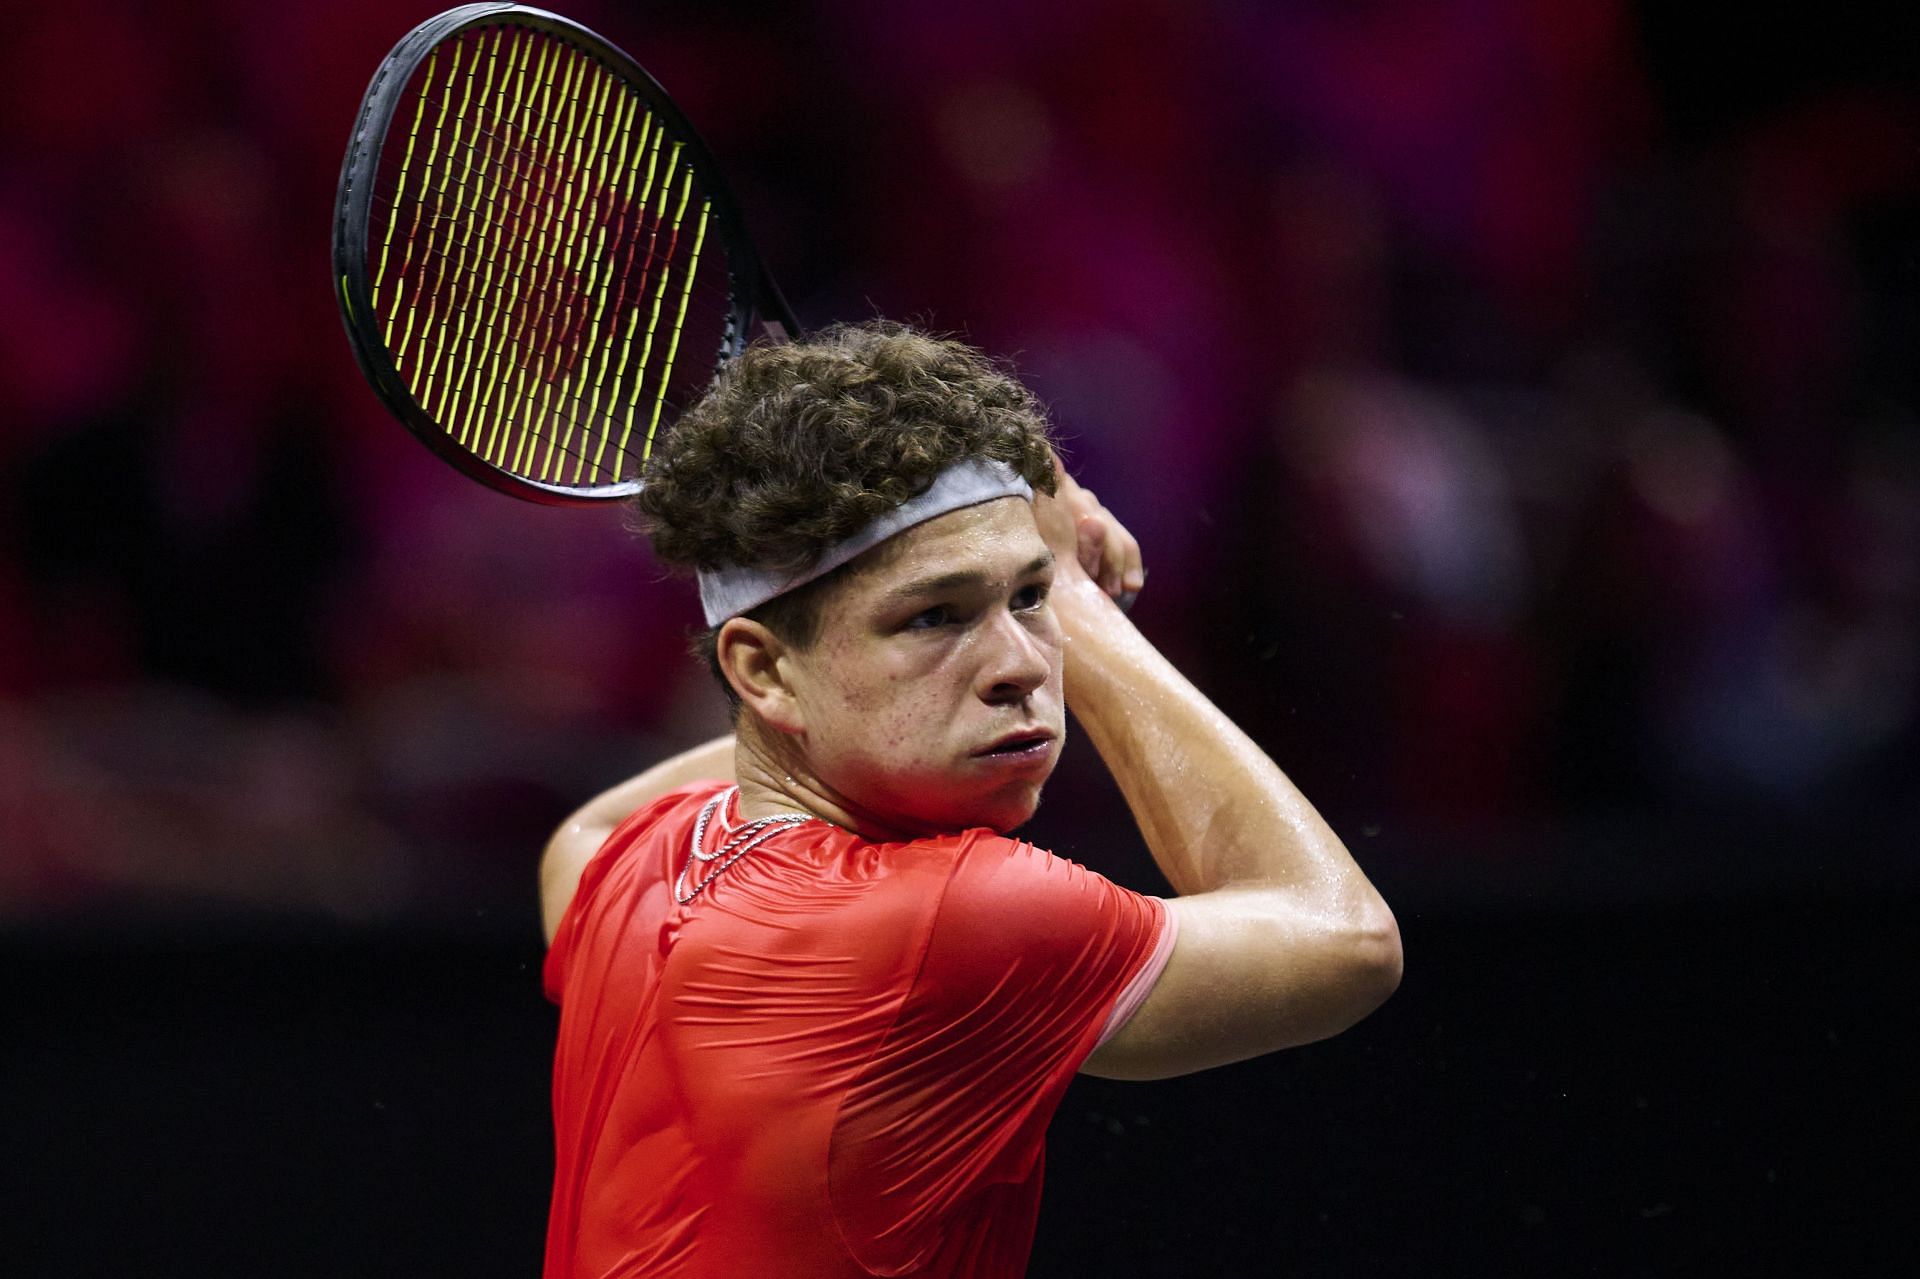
x=1516 y=400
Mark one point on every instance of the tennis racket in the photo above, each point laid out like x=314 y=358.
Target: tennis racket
x=537 y=261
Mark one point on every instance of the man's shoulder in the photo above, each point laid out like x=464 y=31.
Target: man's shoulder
x=661 y=823
x=999 y=877
x=976 y=858
x=685 y=799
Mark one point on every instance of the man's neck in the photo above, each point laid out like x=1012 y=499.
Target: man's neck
x=774 y=778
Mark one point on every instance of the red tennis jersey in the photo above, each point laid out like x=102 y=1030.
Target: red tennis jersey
x=837 y=1060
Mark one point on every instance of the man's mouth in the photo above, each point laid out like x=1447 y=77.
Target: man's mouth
x=1028 y=742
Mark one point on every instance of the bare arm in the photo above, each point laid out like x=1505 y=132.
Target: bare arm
x=1282 y=939
x=581 y=835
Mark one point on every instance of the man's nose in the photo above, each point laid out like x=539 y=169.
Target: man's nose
x=1016 y=660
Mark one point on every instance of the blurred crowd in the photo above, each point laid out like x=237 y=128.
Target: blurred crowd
x=1517 y=438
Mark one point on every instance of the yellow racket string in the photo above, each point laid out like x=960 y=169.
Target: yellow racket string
x=413 y=231
x=589 y=296
x=440 y=244
x=592 y=373
x=653 y=156
x=679 y=326
x=593 y=366
x=625 y=344
x=579 y=246
x=481 y=402
x=552 y=229
x=553 y=200
x=477 y=271
x=460 y=221
x=592 y=298
x=572 y=260
x=406 y=164
x=528 y=177
x=537 y=199
x=523 y=436
x=659 y=291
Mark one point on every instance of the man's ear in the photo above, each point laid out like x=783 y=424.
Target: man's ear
x=750 y=657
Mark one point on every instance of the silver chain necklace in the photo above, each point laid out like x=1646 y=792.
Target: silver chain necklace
x=738 y=842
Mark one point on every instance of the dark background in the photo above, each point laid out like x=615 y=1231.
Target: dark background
x=1516 y=399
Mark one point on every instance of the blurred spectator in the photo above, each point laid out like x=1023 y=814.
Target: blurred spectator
x=1517 y=435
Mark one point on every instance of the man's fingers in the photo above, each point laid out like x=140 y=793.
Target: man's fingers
x=1134 y=578
x=1107 y=567
x=1133 y=568
x=1091 y=533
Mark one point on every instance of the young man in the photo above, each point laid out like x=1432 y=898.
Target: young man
x=817 y=1006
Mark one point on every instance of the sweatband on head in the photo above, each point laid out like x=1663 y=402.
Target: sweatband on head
x=729 y=592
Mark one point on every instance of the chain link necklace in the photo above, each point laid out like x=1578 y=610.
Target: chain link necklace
x=737 y=842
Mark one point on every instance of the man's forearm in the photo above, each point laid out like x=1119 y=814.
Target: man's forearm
x=1213 y=808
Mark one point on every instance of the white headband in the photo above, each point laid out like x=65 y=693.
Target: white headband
x=729 y=592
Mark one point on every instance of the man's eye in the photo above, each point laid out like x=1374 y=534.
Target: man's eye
x=927 y=619
x=1030 y=597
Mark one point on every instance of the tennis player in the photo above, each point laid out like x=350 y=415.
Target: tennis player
x=818 y=1003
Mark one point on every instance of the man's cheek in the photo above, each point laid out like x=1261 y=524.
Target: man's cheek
x=877 y=694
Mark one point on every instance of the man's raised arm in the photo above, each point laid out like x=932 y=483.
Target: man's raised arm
x=1282 y=939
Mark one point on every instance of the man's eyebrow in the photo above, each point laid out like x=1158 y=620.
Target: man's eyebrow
x=963 y=579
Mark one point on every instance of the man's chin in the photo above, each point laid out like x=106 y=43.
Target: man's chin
x=1002 y=809
x=1008 y=816
x=1001 y=816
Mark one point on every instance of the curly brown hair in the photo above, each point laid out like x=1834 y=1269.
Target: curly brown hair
x=799 y=445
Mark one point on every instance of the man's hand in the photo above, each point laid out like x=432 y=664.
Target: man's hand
x=1085 y=535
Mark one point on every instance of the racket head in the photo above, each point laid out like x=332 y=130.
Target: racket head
x=536 y=258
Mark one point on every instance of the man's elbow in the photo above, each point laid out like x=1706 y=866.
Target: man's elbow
x=1389 y=961
x=1375 y=962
